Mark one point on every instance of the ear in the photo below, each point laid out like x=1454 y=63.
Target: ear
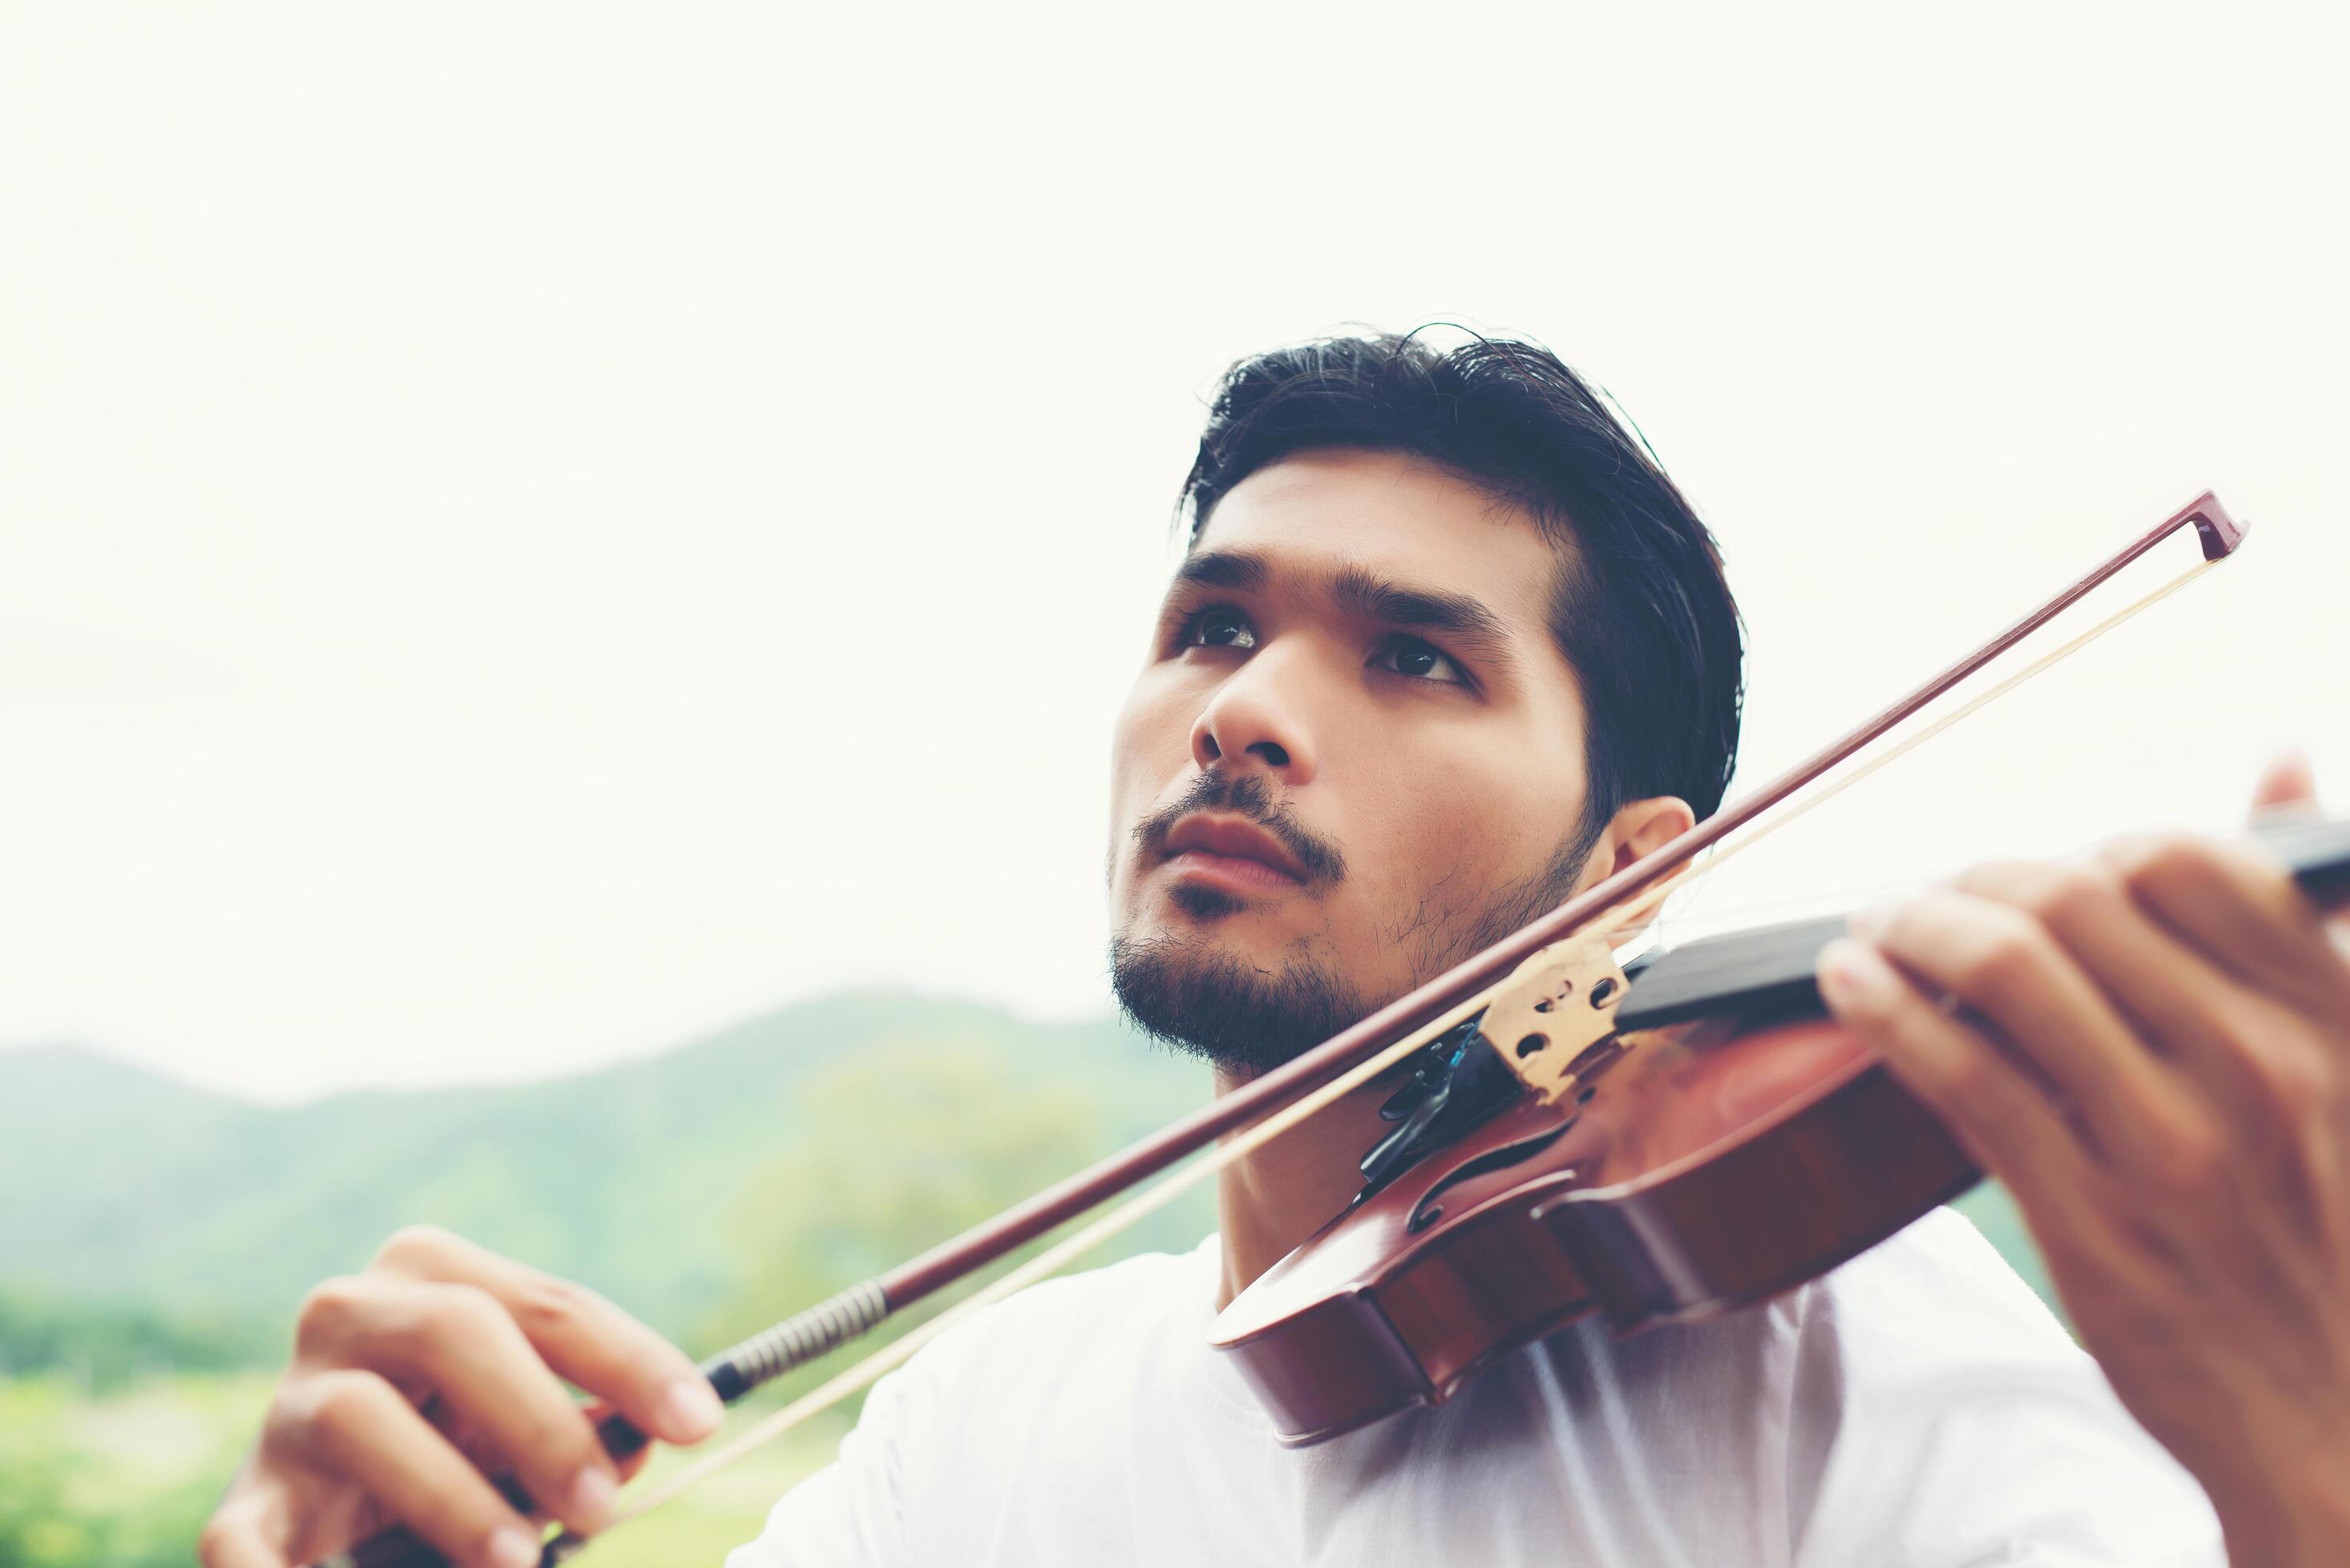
x=1640 y=828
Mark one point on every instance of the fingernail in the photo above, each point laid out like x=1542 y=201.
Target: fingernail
x=592 y=1490
x=512 y=1547
x=1851 y=974
x=690 y=1410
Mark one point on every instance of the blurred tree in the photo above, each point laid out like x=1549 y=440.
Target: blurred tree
x=899 y=1150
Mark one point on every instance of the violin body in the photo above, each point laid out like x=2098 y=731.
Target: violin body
x=1728 y=1142
x=1704 y=1169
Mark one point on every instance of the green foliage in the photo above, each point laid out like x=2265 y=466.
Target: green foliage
x=123 y=1481
x=102 y=1345
x=963 y=1145
x=832 y=1209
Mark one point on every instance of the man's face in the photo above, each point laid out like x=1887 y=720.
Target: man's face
x=1354 y=756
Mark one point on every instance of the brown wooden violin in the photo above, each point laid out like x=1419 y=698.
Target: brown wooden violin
x=1711 y=1139
x=1658 y=1142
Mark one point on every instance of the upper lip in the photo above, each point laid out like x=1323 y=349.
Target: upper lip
x=1232 y=836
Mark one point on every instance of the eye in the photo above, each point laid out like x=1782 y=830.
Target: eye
x=1215 y=627
x=1408 y=656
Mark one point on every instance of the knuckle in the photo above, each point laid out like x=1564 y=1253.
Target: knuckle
x=2192 y=1154
x=1966 y=1083
x=2067 y=896
x=2171 y=863
x=2297 y=1080
x=451 y=1315
x=2126 y=857
x=328 y=1313
x=2009 y=959
x=545 y=1305
x=218 y=1537
x=415 y=1249
x=342 y=1407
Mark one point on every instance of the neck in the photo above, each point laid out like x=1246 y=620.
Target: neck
x=1271 y=1199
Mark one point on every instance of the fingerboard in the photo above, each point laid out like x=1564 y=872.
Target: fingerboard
x=1769 y=970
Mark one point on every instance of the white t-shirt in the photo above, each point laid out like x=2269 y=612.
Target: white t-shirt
x=1917 y=1408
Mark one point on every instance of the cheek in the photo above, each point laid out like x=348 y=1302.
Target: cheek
x=1455 y=845
x=1149 y=748
x=1149 y=745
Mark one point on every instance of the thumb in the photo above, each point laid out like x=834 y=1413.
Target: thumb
x=2288 y=789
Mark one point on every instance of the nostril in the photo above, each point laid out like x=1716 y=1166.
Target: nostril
x=1271 y=754
x=1209 y=742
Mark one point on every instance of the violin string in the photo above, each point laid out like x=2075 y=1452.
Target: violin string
x=1140 y=1206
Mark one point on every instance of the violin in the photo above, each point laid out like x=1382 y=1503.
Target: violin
x=1658 y=1141
x=1719 y=1142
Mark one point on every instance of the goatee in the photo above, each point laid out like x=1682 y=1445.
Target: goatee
x=1243 y=1019
x=1246 y=1018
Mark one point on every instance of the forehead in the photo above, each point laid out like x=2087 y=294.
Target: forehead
x=1394 y=516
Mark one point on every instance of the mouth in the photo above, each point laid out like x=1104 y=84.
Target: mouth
x=1232 y=853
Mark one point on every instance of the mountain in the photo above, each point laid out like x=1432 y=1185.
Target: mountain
x=117 y=1184
x=708 y=1190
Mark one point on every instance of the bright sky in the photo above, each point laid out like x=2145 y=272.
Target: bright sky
x=529 y=531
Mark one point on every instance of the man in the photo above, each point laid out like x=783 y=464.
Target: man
x=1446 y=648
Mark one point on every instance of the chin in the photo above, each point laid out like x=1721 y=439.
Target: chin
x=1244 y=1006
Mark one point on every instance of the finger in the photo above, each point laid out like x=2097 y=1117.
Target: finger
x=2240 y=907
x=2091 y=1236
x=458 y=1341
x=2006 y=1122
x=2187 y=1007
x=578 y=1332
x=353 y=1423
x=234 y=1538
x=2008 y=968
x=2287 y=789
x=596 y=1410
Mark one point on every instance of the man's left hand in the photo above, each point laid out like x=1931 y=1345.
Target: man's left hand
x=2151 y=1048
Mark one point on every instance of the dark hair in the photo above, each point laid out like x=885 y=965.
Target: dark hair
x=1640 y=607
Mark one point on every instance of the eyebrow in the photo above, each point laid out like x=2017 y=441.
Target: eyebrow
x=1359 y=594
x=1475 y=630
x=1235 y=569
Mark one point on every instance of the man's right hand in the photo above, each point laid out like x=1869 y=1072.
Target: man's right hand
x=408 y=1382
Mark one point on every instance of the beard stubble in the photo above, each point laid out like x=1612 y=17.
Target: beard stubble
x=1245 y=1016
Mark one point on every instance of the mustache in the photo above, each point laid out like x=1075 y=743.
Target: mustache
x=1244 y=795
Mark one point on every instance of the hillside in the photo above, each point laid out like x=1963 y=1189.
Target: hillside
x=123 y=1186
x=708 y=1190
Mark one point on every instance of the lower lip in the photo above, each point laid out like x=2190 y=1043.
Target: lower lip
x=1234 y=872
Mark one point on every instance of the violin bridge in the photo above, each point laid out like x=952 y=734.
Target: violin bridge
x=1554 y=1007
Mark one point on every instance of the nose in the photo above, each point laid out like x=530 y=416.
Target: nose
x=1257 y=713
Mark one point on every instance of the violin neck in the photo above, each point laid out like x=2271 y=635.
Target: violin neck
x=1769 y=971
x=2317 y=852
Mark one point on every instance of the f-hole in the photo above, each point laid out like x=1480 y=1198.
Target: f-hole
x=1428 y=1211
